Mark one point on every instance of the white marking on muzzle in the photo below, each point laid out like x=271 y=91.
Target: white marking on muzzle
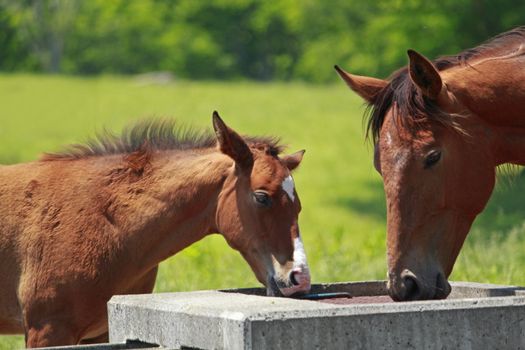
x=300 y=270
x=288 y=187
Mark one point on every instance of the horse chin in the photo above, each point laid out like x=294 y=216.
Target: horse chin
x=272 y=290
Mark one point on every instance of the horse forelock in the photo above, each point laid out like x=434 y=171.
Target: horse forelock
x=409 y=106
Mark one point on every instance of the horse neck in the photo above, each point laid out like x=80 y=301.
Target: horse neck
x=176 y=206
x=493 y=89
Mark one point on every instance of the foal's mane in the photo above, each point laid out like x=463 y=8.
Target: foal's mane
x=402 y=94
x=152 y=135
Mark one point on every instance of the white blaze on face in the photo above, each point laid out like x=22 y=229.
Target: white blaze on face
x=288 y=187
x=299 y=255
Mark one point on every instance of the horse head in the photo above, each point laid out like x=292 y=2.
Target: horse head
x=258 y=212
x=438 y=168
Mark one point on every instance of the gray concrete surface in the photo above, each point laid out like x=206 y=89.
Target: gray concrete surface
x=476 y=316
x=129 y=345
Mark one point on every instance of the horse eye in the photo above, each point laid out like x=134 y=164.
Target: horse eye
x=432 y=158
x=262 y=198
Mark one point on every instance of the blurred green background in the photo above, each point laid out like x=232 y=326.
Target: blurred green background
x=241 y=39
x=70 y=68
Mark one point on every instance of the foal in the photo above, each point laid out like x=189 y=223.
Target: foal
x=79 y=227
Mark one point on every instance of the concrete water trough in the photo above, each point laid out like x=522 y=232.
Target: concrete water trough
x=475 y=316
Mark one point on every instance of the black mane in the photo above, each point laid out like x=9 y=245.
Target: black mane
x=408 y=100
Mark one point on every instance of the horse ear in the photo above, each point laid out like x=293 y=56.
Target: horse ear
x=424 y=75
x=232 y=144
x=293 y=160
x=366 y=87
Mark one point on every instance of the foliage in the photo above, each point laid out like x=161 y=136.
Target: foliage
x=232 y=39
x=343 y=216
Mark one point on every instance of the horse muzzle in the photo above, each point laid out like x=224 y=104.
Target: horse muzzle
x=297 y=281
x=408 y=286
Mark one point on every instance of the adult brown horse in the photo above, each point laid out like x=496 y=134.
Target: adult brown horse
x=440 y=129
x=95 y=221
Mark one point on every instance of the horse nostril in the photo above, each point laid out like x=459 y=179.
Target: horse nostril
x=293 y=279
x=412 y=290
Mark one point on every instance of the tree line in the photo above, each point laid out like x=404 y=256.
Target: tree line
x=241 y=39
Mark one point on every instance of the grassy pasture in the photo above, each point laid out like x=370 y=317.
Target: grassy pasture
x=343 y=217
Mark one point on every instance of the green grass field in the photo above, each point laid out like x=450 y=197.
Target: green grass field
x=343 y=217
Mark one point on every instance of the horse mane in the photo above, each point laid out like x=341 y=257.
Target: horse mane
x=407 y=101
x=145 y=136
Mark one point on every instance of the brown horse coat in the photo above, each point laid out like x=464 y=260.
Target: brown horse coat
x=79 y=227
x=440 y=130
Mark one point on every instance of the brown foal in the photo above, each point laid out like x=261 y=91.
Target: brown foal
x=79 y=227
